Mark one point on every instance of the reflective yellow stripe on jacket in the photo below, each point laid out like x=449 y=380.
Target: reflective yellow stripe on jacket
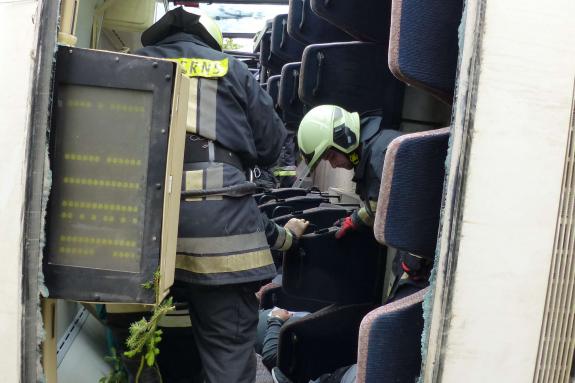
x=223 y=254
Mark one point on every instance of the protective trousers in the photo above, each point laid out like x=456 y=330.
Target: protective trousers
x=224 y=322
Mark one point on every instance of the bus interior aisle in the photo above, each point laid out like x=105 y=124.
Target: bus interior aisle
x=353 y=297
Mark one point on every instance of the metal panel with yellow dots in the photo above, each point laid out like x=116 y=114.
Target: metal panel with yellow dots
x=116 y=155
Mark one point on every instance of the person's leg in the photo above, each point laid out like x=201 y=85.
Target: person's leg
x=178 y=359
x=224 y=322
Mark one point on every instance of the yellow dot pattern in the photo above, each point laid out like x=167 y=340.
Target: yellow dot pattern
x=127 y=108
x=123 y=254
x=75 y=239
x=81 y=157
x=99 y=206
x=123 y=161
x=79 y=104
x=76 y=250
x=66 y=215
x=101 y=183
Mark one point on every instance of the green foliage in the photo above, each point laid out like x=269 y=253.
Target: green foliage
x=145 y=336
x=230 y=44
x=118 y=374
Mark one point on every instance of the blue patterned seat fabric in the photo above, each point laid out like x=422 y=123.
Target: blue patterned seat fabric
x=409 y=204
x=423 y=46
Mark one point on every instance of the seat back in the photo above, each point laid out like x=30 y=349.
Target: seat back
x=273 y=88
x=281 y=193
x=320 y=217
x=285 y=206
x=307 y=27
x=271 y=63
x=283 y=45
x=277 y=297
x=409 y=204
x=353 y=75
x=288 y=99
x=320 y=342
x=344 y=271
x=366 y=20
x=423 y=44
x=390 y=341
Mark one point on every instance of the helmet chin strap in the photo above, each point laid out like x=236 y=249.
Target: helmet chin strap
x=301 y=176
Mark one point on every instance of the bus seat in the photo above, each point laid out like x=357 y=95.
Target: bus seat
x=390 y=341
x=273 y=88
x=277 y=297
x=348 y=270
x=288 y=99
x=409 y=204
x=423 y=44
x=307 y=27
x=283 y=45
x=320 y=217
x=268 y=60
x=353 y=75
x=320 y=342
x=285 y=206
x=280 y=193
x=366 y=20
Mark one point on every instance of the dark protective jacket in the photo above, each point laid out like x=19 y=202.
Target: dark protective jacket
x=374 y=140
x=222 y=240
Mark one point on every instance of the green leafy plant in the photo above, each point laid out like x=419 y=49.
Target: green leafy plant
x=145 y=336
x=230 y=44
x=118 y=374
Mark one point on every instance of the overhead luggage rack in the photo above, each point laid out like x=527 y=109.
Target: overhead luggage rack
x=307 y=27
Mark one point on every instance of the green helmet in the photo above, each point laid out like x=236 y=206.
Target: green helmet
x=325 y=127
x=213 y=29
x=188 y=21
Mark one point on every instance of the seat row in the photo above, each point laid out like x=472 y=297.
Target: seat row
x=359 y=56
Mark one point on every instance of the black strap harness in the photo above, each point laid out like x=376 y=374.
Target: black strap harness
x=199 y=149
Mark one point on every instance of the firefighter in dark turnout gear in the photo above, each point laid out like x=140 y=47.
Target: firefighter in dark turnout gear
x=223 y=253
x=331 y=133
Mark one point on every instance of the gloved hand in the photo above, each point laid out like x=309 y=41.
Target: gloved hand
x=297 y=226
x=347 y=224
